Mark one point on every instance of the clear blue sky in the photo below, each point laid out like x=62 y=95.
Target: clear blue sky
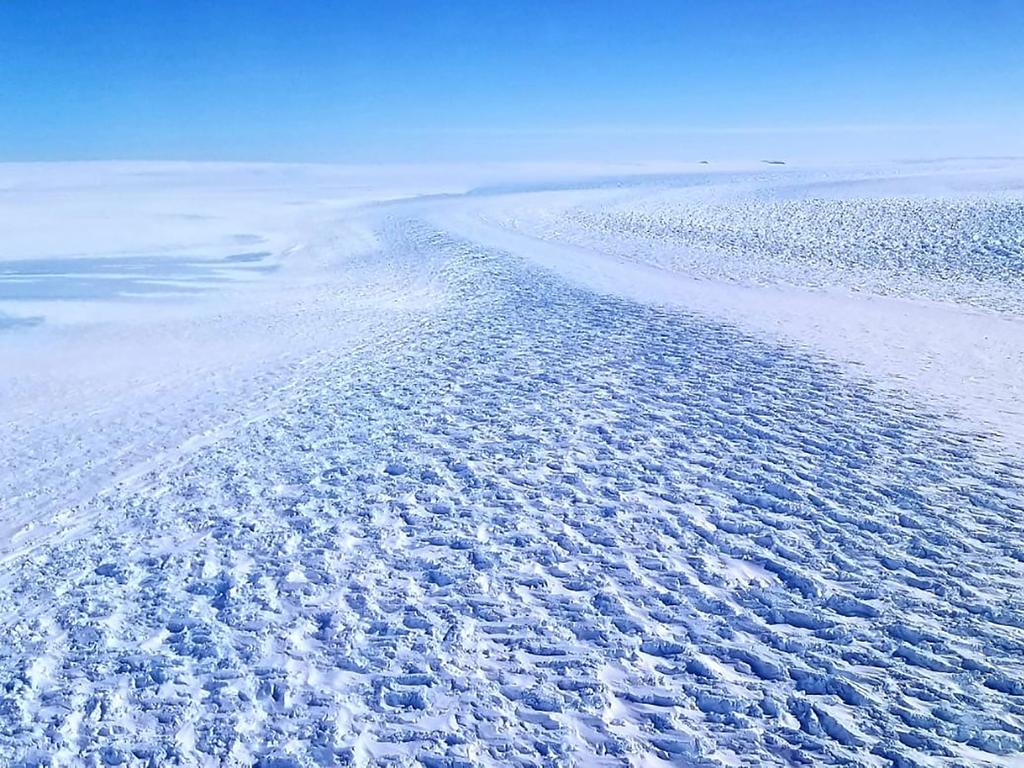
x=488 y=80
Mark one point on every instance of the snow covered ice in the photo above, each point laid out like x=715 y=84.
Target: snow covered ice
x=440 y=467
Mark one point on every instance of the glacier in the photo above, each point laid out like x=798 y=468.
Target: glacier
x=311 y=466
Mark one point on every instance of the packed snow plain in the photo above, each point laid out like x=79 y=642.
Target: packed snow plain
x=310 y=466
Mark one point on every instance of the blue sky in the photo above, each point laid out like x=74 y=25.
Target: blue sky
x=470 y=81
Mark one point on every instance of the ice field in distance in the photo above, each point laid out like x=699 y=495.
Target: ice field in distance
x=456 y=466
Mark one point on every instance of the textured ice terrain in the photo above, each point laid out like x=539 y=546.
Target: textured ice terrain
x=886 y=236
x=969 y=250
x=486 y=498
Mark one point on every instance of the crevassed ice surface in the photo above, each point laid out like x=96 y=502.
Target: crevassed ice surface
x=965 y=246
x=528 y=521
